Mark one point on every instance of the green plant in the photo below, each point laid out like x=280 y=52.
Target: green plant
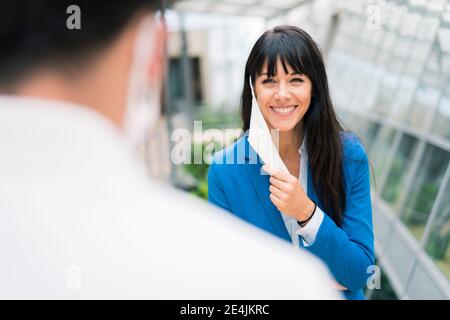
x=439 y=240
x=393 y=185
x=199 y=171
x=420 y=204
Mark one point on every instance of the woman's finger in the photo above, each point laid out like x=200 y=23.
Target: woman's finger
x=277 y=192
x=277 y=202
x=283 y=186
x=340 y=287
x=277 y=173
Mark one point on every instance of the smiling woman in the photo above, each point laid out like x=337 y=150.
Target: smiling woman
x=323 y=202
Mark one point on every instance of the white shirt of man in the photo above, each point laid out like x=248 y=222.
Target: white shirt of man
x=79 y=219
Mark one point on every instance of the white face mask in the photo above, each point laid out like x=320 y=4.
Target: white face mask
x=261 y=139
x=143 y=101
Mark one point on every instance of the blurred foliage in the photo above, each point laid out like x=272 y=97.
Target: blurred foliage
x=221 y=117
x=438 y=243
x=199 y=172
x=218 y=117
x=419 y=204
x=425 y=197
x=393 y=186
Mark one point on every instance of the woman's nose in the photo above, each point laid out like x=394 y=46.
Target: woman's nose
x=282 y=92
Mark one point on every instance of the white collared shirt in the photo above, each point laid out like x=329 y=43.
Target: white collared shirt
x=80 y=220
x=307 y=233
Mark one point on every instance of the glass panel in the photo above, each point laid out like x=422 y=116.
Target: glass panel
x=419 y=59
x=388 y=65
x=347 y=119
x=441 y=123
x=386 y=92
x=403 y=97
x=385 y=292
x=379 y=150
x=438 y=243
x=410 y=80
x=368 y=133
x=425 y=187
x=399 y=168
x=423 y=285
x=429 y=93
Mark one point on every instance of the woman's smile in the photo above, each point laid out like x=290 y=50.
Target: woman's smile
x=283 y=111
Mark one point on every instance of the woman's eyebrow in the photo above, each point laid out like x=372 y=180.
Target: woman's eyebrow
x=292 y=73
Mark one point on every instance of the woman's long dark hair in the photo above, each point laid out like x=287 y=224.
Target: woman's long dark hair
x=294 y=47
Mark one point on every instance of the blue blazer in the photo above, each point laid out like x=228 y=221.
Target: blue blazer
x=235 y=184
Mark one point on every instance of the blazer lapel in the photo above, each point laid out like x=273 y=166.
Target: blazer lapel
x=261 y=186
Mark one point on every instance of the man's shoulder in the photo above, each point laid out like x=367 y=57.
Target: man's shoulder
x=157 y=242
x=208 y=226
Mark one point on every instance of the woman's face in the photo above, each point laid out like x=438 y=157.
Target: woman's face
x=284 y=98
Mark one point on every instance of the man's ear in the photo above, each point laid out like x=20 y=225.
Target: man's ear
x=157 y=62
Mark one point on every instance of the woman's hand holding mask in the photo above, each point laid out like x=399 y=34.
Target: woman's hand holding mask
x=288 y=195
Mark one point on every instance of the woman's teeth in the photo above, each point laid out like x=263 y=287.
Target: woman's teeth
x=283 y=110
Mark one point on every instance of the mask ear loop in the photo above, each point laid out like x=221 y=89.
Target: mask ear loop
x=255 y=103
x=252 y=92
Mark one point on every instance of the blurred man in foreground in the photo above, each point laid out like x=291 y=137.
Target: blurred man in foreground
x=78 y=217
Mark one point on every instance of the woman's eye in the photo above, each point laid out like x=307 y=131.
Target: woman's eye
x=268 y=81
x=297 y=80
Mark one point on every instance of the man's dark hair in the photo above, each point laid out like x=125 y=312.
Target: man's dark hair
x=34 y=33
